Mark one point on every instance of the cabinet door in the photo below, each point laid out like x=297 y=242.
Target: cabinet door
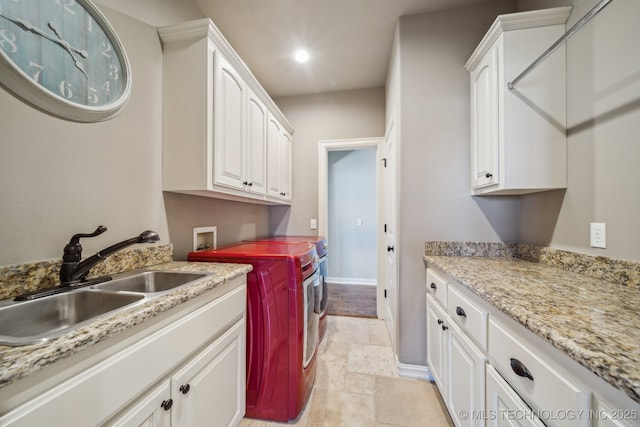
x=485 y=121
x=256 y=153
x=436 y=345
x=504 y=407
x=229 y=124
x=149 y=412
x=467 y=381
x=274 y=137
x=210 y=390
x=285 y=165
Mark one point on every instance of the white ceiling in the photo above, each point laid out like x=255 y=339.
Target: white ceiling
x=349 y=40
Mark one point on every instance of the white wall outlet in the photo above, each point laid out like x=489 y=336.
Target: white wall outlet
x=359 y=222
x=598 y=235
x=314 y=224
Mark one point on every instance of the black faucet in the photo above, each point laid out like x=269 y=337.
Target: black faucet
x=73 y=271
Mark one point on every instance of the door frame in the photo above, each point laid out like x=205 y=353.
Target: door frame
x=324 y=147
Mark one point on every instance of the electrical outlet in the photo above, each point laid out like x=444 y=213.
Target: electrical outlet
x=598 y=235
x=314 y=224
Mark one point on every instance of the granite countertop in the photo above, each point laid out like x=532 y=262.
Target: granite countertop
x=18 y=362
x=594 y=321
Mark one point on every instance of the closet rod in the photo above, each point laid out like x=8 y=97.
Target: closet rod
x=597 y=8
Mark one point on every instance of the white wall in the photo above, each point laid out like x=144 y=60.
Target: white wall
x=334 y=115
x=352 y=196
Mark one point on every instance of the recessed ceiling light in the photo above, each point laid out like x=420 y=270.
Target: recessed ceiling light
x=301 y=55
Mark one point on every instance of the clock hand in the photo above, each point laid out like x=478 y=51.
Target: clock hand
x=65 y=43
x=27 y=26
x=66 y=46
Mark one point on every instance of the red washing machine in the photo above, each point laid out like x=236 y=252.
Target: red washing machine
x=323 y=252
x=282 y=325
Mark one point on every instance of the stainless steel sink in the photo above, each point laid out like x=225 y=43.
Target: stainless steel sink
x=151 y=281
x=38 y=320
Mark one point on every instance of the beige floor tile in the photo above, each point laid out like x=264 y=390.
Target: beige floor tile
x=358 y=383
x=378 y=333
x=372 y=360
x=332 y=408
x=348 y=330
x=408 y=402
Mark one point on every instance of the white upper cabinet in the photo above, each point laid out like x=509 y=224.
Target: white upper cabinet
x=279 y=161
x=518 y=136
x=215 y=117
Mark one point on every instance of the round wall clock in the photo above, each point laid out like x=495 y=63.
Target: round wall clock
x=63 y=57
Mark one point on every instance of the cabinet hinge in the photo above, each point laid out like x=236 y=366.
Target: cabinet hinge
x=384 y=162
x=385 y=293
x=385 y=228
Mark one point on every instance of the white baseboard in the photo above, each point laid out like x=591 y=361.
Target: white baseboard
x=349 y=281
x=413 y=371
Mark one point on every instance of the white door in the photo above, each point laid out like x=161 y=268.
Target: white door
x=484 y=121
x=210 y=390
x=466 y=381
x=255 y=174
x=274 y=155
x=229 y=124
x=154 y=410
x=390 y=257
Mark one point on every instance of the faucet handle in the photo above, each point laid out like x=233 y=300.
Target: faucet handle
x=76 y=237
x=73 y=249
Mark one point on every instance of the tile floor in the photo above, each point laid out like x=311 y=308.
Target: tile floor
x=357 y=383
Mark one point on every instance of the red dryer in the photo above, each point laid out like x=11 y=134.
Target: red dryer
x=282 y=324
x=322 y=293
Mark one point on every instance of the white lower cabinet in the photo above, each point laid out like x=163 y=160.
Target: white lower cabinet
x=149 y=411
x=186 y=368
x=209 y=390
x=467 y=365
x=457 y=366
x=437 y=344
x=504 y=407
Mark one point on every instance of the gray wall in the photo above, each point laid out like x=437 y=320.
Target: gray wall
x=59 y=178
x=334 y=115
x=352 y=196
x=603 y=112
x=430 y=87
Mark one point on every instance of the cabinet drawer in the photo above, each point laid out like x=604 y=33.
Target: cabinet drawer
x=541 y=386
x=468 y=315
x=437 y=286
x=504 y=405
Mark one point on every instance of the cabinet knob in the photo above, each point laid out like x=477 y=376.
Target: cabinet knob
x=185 y=388
x=390 y=249
x=245 y=183
x=250 y=184
x=460 y=312
x=444 y=327
x=520 y=370
x=166 y=404
x=440 y=322
x=488 y=175
x=433 y=286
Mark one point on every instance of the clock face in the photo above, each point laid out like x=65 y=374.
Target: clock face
x=63 y=57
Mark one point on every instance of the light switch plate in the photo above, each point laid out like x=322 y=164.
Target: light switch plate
x=598 y=235
x=314 y=224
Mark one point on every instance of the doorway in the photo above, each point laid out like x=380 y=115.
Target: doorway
x=348 y=216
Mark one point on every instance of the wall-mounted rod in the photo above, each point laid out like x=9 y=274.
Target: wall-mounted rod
x=597 y=8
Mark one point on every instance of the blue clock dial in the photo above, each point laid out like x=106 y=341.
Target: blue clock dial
x=65 y=48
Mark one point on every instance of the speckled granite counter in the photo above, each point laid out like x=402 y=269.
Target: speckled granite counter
x=594 y=321
x=18 y=362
